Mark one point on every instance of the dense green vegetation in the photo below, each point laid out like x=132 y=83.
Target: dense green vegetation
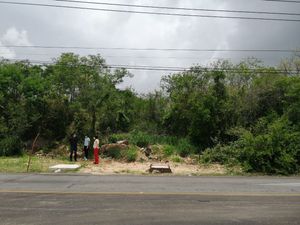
x=246 y=114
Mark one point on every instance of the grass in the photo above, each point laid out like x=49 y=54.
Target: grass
x=19 y=164
x=176 y=159
x=142 y=139
x=168 y=150
x=130 y=154
x=165 y=145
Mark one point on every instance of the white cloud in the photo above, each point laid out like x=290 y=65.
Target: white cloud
x=6 y=52
x=12 y=36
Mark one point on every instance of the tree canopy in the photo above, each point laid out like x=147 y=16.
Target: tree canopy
x=249 y=105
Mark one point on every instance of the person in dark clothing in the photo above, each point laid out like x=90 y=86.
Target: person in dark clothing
x=73 y=144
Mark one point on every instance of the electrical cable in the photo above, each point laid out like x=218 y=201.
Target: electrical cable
x=153 y=13
x=149 y=49
x=181 y=8
x=160 y=68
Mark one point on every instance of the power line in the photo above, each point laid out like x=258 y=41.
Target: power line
x=113 y=56
x=164 y=68
x=153 y=13
x=181 y=8
x=282 y=1
x=150 y=49
x=137 y=57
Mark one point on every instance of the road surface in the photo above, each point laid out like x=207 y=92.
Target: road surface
x=85 y=199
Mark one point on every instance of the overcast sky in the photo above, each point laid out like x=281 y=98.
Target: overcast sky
x=29 y=25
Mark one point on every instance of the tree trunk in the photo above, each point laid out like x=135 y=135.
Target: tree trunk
x=32 y=151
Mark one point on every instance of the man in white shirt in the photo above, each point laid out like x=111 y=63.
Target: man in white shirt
x=86 y=146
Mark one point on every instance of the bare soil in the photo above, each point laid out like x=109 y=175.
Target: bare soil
x=108 y=166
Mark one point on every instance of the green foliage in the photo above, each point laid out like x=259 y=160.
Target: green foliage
x=168 y=150
x=143 y=139
x=171 y=145
x=221 y=154
x=195 y=110
x=176 y=159
x=275 y=150
x=185 y=148
x=112 y=139
x=10 y=146
x=130 y=154
x=114 y=152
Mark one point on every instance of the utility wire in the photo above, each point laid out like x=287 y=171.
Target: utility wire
x=124 y=56
x=115 y=56
x=282 y=1
x=152 y=13
x=150 y=49
x=181 y=8
x=163 y=68
x=134 y=57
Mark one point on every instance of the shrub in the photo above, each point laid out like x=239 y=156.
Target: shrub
x=130 y=154
x=143 y=139
x=182 y=146
x=114 y=152
x=275 y=151
x=220 y=154
x=10 y=146
x=112 y=139
x=156 y=149
x=168 y=150
x=185 y=148
x=176 y=159
x=140 y=139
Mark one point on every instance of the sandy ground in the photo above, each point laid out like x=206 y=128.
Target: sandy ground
x=108 y=166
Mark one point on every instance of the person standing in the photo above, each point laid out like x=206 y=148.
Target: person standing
x=73 y=145
x=86 y=146
x=96 y=150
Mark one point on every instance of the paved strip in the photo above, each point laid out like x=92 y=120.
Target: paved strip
x=284 y=184
x=69 y=199
x=69 y=209
x=155 y=193
x=149 y=184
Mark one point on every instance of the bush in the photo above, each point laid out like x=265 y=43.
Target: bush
x=114 y=152
x=185 y=148
x=10 y=146
x=168 y=150
x=130 y=154
x=220 y=154
x=143 y=139
x=176 y=159
x=275 y=151
x=173 y=144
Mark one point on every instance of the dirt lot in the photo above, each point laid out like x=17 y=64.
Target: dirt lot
x=108 y=166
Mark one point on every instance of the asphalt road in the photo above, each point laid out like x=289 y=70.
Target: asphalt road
x=86 y=199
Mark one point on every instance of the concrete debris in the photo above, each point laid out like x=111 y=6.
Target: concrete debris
x=159 y=168
x=62 y=167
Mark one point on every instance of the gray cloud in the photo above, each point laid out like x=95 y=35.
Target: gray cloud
x=48 y=26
